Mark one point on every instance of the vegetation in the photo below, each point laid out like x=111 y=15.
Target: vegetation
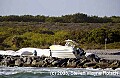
x=73 y=18
x=15 y=35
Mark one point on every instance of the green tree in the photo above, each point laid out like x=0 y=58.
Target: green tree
x=17 y=41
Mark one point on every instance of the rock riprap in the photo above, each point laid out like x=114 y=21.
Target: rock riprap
x=37 y=61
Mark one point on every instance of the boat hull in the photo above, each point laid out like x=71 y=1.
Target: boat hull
x=65 y=54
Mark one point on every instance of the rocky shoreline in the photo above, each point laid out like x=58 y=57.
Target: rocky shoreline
x=37 y=61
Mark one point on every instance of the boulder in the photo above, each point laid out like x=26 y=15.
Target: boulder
x=24 y=59
x=34 y=63
x=6 y=61
x=19 y=62
x=40 y=63
x=104 y=60
x=102 y=65
x=82 y=62
x=93 y=58
x=71 y=63
x=29 y=61
x=55 y=63
x=114 y=65
x=1 y=58
x=90 y=64
x=63 y=62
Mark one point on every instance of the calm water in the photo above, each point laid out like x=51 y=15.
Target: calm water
x=32 y=72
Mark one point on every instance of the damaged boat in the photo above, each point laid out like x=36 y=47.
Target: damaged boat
x=69 y=50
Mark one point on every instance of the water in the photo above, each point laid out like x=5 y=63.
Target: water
x=35 y=72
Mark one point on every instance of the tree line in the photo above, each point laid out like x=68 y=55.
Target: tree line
x=72 y=18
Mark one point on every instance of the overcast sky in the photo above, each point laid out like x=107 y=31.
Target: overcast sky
x=60 y=7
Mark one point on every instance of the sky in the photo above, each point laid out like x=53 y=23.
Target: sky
x=60 y=7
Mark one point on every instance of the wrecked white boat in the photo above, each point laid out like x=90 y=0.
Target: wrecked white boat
x=67 y=51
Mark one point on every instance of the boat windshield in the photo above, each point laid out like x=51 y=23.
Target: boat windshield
x=70 y=43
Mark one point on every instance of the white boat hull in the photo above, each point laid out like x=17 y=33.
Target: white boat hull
x=65 y=54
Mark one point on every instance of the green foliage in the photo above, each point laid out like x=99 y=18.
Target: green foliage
x=15 y=35
x=98 y=35
x=3 y=35
x=115 y=19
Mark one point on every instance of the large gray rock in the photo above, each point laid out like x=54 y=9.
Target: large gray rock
x=63 y=62
x=19 y=62
x=93 y=57
x=102 y=65
x=55 y=63
x=71 y=63
x=60 y=62
x=6 y=61
x=1 y=58
x=24 y=59
x=82 y=62
x=29 y=61
x=89 y=64
x=40 y=64
x=34 y=62
x=114 y=65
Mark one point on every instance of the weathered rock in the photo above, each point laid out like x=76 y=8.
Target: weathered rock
x=34 y=57
x=40 y=63
x=6 y=61
x=24 y=59
x=45 y=64
x=1 y=58
x=90 y=64
x=77 y=63
x=71 y=63
x=55 y=63
x=42 y=57
x=114 y=65
x=93 y=58
x=47 y=60
x=82 y=62
x=104 y=60
x=63 y=62
x=34 y=63
x=19 y=62
x=102 y=65
x=12 y=62
x=37 y=61
x=29 y=61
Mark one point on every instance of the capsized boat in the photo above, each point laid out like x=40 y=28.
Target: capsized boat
x=69 y=50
